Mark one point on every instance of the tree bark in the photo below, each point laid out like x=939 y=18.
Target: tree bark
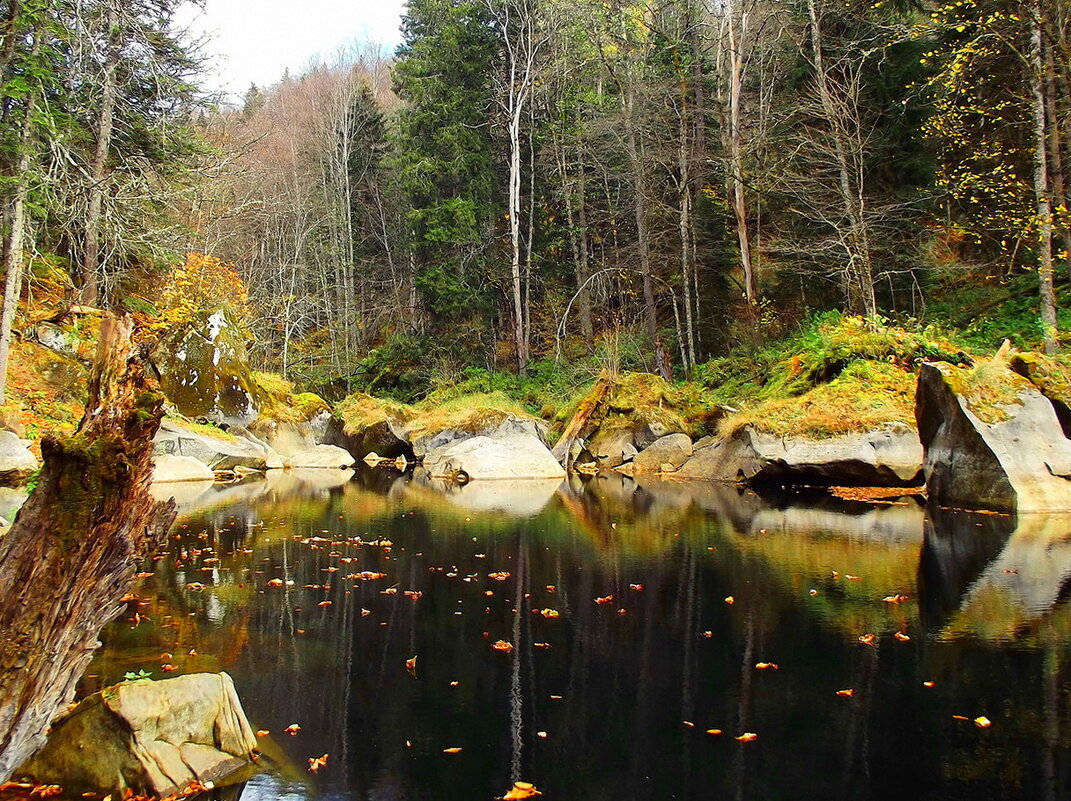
x=98 y=167
x=1047 y=290
x=75 y=546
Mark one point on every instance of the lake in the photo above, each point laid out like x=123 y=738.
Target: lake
x=607 y=639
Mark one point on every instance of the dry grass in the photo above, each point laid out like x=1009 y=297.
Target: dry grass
x=990 y=388
x=864 y=397
x=359 y=411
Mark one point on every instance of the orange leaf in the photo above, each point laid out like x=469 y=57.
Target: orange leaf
x=867 y=639
x=550 y=613
x=901 y=636
x=410 y=665
x=730 y=600
x=315 y=763
x=766 y=666
x=503 y=646
x=454 y=750
x=747 y=737
x=605 y=599
x=292 y=729
x=263 y=732
x=713 y=731
x=846 y=693
x=983 y=722
x=521 y=790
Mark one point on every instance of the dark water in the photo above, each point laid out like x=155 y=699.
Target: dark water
x=614 y=700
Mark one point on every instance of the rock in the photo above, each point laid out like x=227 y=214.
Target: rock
x=612 y=447
x=672 y=450
x=322 y=456
x=218 y=453
x=891 y=457
x=426 y=444
x=386 y=437
x=11 y=420
x=148 y=737
x=17 y=463
x=514 y=449
x=647 y=433
x=204 y=371
x=1020 y=464
x=166 y=467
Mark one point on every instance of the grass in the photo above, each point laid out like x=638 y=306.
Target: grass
x=990 y=388
x=279 y=403
x=359 y=411
x=865 y=396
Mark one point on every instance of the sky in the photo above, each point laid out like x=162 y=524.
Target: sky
x=254 y=41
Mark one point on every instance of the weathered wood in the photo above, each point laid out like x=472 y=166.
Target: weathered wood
x=75 y=547
x=580 y=419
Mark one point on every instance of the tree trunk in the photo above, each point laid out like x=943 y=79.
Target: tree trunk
x=14 y=251
x=76 y=545
x=1047 y=289
x=98 y=167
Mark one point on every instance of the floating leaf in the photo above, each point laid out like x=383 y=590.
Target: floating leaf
x=521 y=790
x=606 y=599
x=453 y=750
x=730 y=600
x=747 y=737
x=846 y=693
x=900 y=636
x=503 y=646
x=867 y=639
x=410 y=665
x=982 y=722
x=766 y=666
x=714 y=731
x=315 y=763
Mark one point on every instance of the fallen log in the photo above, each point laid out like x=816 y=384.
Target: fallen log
x=580 y=419
x=74 y=549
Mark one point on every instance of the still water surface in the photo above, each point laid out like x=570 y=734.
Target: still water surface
x=614 y=699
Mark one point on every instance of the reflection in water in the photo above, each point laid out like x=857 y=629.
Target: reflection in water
x=276 y=582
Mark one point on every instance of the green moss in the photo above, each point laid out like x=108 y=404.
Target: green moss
x=989 y=387
x=865 y=396
x=1050 y=374
x=470 y=413
x=279 y=404
x=359 y=411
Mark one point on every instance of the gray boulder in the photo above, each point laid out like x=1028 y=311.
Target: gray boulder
x=167 y=468
x=673 y=450
x=321 y=456
x=148 y=737
x=891 y=457
x=17 y=463
x=1019 y=464
x=218 y=453
x=613 y=447
x=515 y=448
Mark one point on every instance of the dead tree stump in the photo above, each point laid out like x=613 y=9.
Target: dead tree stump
x=76 y=545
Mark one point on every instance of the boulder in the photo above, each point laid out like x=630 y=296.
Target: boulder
x=612 y=447
x=426 y=444
x=204 y=370
x=1018 y=464
x=386 y=437
x=890 y=457
x=322 y=456
x=513 y=449
x=17 y=463
x=672 y=450
x=217 y=452
x=166 y=468
x=149 y=738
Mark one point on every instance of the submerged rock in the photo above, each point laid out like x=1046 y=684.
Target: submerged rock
x=1018 y=462
x=148 y=737
x=17 y=463
x=891 y=457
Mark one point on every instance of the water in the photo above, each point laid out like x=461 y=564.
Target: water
x=614 y=700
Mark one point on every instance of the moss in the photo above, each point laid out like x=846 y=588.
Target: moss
x=207 y=429
x=865 y=396
x=359 y=411
x=279 y=404
x=1050 y=374
x=470 y=413
x=989 y=387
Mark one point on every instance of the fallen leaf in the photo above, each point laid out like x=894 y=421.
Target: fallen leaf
x=747 y=737
x=846 y=693
x=927 y=684
x=502 y=645
x=813 y=592
x=867 y=639
x=521 y=790
x=766 y=666
x=454 y=750
x=541 y=735
x=263 y=732
x=707 y=634
x=730 y=600
x=410 y=665
x=714 y=731
x=498 y=576
x=275 y=582
x=983 y=722
x=292 y=729
x=324 y=603
x=315 y=763
x=894 y=599
x=550 y=613
x=605 y=599
x=636 y=587
x=901 y=636
x=688 y=723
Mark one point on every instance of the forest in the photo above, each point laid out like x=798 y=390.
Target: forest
x=534 y=187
